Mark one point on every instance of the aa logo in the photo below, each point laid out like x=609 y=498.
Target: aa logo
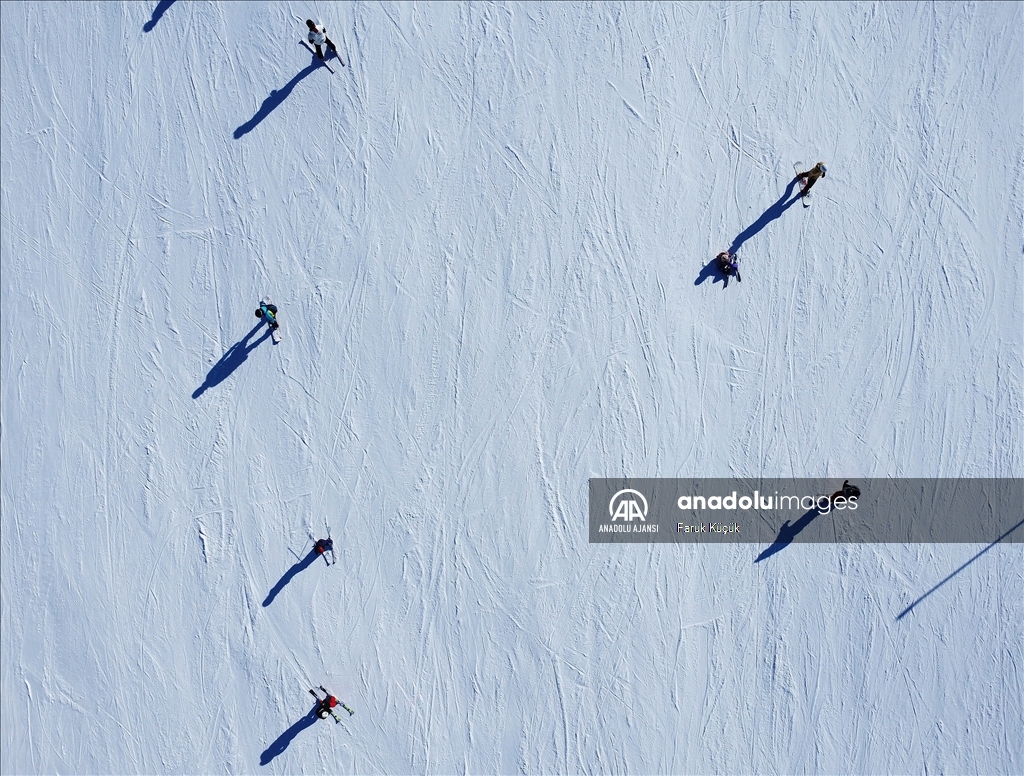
x=628 y=508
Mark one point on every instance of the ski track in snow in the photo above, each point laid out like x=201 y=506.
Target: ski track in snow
x=485 y=234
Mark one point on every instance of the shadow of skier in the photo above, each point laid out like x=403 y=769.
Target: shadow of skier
x=787 y=533
x=286 y=737
x=776 y=210
x=953 y=573
x=288 y=575
x=230 y=361
x=160 y=10
x=274 y=99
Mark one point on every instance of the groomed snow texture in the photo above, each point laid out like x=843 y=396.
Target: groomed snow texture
x=488 y=235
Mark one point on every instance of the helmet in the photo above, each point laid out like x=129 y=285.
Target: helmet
x=822 y=167
x=309 y=23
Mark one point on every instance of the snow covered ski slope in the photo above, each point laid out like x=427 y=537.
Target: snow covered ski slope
x=491 y=236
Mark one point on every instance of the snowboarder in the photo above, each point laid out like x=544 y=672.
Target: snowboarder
x=811 y=177
x=318 y=37
x=268 y=312
x=324 y=546
x=848 y=492
x=729 y=263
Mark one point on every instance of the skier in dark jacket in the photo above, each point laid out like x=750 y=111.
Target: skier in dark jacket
x=848 y=492
x=729 y=264
x=324 y=546
x=811 y=177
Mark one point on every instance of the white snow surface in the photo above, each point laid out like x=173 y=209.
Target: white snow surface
x=484 y=234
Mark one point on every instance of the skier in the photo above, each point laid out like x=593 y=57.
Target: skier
x=323 y=546
x=268 y=312
x=318 y=36
x=811 y=177
x=326 y=705
x=729 y=264
x=848 y=492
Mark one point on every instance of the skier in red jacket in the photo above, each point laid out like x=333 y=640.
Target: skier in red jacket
x=327 y=704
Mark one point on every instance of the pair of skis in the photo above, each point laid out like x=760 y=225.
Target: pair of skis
x=327 y=695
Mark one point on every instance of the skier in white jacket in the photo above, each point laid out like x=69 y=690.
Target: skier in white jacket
x=318 y=37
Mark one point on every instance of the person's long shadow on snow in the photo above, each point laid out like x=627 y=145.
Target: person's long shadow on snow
x=230 y=361
x=288 y=575
x=712 y=270
x=776 y=210
x=286 y=737
x=274 y=99
x=787 y=533
x=160 y=10
x=952 y=574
